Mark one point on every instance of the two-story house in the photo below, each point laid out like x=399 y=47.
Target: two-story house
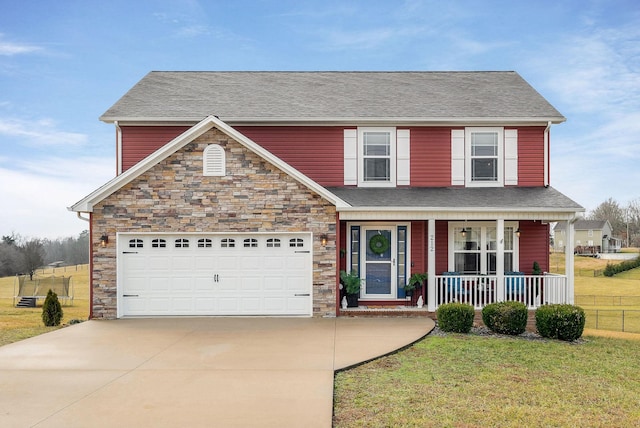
x=591 y=237
x=246 y=193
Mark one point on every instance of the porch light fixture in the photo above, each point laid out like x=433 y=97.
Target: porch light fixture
x=323 y=240
x=518 y=232
x=463 y=232
x=104 y=240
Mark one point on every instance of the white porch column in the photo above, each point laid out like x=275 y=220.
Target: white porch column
x=568 y=258
x=431 y=265
x=500 y=260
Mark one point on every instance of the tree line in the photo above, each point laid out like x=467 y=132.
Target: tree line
x=19 y=255
x=624 y=220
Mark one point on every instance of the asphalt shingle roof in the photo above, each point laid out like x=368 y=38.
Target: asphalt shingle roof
x=432 y=198
x=326 y=96
x=584 y=225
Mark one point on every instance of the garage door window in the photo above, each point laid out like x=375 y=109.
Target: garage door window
x=228 y=243
x=205 y=243
x=250 y=243
x=296 y=242
x=273 y=243
x=136 y=243
x=182 y=243
x=159 y=243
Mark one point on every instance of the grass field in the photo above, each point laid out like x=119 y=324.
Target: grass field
x=21 y=323
x=476 y=381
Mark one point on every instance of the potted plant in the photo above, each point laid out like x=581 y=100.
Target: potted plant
x=415 y=281
x=351 y=283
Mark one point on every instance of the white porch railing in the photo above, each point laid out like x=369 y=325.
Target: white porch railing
x=481 y=290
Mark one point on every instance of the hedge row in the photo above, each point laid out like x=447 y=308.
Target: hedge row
x=613 y=269
x=563 y=322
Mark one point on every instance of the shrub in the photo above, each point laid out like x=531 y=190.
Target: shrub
x=455 y=317
x=564 y=322
x=613 y=269
x=51 y=310
x=506 y=317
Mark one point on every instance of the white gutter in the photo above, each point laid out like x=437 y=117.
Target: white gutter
x=82 y=218
x=118 y=148
x=546 y=155
x=340 y=121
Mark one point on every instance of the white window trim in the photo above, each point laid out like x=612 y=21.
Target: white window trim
x=500 y=155
x=392 y=157
x=483 y=224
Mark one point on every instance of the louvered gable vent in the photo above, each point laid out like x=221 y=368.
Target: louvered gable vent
x=214 y=161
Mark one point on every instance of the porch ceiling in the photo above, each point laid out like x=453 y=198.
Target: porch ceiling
x=536 y=203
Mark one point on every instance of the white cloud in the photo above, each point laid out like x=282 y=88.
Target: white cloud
x=596 y=70
x=35 y=204
x=40 y=132
x=12 y=48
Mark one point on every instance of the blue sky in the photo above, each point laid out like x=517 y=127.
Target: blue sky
x=63 y=63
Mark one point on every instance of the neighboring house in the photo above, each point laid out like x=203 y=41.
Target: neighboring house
x=245 y=193
x=591 y=237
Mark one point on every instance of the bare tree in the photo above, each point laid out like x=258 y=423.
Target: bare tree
x=633 y=222
x=610 y=210
x=33 y=255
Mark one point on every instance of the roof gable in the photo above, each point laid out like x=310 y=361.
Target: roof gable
x=87 y=203
x=285 y=97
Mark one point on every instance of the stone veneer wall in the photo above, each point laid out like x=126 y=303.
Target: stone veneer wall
x=174 y=196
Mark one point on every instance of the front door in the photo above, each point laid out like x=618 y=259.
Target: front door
x=379 y=265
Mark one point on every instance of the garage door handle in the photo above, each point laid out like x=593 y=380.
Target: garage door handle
x=130 y=295
x=305 y=252
x=129 y=252
x=302 y=295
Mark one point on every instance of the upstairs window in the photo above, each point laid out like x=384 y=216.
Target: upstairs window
x=484 y=159
x=377 y=163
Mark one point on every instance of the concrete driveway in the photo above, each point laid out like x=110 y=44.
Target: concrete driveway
x=190 y=372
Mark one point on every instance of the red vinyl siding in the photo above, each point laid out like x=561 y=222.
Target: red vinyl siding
x=316 y=151
x=534 y=246
x=430 y=157
x=138 y=142
x=530 y=156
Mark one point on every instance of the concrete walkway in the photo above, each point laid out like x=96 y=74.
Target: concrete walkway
x=190 y=372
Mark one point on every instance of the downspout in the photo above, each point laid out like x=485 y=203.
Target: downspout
x=118 y=148
x=546 y=154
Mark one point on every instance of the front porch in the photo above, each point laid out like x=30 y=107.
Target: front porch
x=475 y=290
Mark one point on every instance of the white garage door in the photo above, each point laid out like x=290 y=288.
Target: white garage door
x=214 y=274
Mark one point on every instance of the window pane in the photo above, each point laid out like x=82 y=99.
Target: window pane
x=484 y=169
x=484 y=144
x=491 y=239
x=377 y=143
x=508 y=262
x=467 y=263
x=508 y=238
x=377 y=169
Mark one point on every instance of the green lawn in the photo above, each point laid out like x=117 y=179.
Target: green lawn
x=474 y=381
x=21 y=323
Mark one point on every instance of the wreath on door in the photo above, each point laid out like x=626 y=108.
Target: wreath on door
x=379 y=244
